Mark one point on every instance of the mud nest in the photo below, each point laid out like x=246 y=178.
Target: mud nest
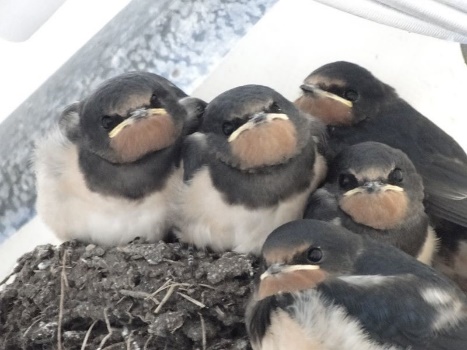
x=140 y=296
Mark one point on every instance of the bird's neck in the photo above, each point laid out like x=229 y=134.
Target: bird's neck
x=132 y=180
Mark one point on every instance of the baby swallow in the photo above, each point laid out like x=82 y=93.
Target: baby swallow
x=324 y=287
x=357 y=107
x=374 y=190
x=107 y=172
x=249 y=169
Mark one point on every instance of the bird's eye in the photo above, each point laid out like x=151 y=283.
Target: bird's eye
x=314 y=255
x=274 y=108
x=108 y=122
x=228 y=128
x=351 y=95
x=347 y=182
x=154 y=101
x=396 y=176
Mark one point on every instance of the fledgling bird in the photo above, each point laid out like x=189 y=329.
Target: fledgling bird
x=324 y=287
x=373 y=189
x=107 y=173
x=249 y=169
x=358 y=107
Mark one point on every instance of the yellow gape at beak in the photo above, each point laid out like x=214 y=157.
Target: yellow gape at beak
x=318 y=91
x=285 y=269
x=383 y=188
x=251 y=124
x=134 y=116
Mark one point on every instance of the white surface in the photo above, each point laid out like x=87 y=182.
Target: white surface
x=444 y=19
x=31 y=235
x=25 y=66
x=296 y=37
x=19 y=19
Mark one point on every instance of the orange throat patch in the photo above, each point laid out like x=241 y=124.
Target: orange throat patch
x=290 y=282
x=382 y=211
x=265 y=144
x=144 y=136
x=329 y=111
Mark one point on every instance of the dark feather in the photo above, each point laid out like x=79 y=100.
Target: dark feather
x=258 y=318
x=454 y=339
x=321 y=205
x=193 y=152
x=377 y=306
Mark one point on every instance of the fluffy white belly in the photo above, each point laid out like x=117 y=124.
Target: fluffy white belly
x=74 y=212
x=430 y=247
x=204 y=218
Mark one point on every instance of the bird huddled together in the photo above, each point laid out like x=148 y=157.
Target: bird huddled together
x=348 y=195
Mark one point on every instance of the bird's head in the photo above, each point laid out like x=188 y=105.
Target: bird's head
x=376 y=185
x=128 y=117
x=253 y=126
x=342 y=94
x=301 y=254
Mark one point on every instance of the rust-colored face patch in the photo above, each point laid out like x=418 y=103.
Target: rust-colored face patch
x=382 y=210
x=283 y=255
x=290 y=282
x=144 y=136
x=328 y=110
x=266 y=144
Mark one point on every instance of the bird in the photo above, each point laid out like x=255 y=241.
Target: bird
x=373 y=189
x=356 y=107
x=107 y=171
x=248 y=169
x=324 y=287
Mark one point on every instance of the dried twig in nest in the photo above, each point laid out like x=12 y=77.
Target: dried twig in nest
x=203 y=331
x=109 y=329
x=147 y=342
x=63 y=285
x=166 y=297
x=139 y=295
x=86 y=337
x=194 y=301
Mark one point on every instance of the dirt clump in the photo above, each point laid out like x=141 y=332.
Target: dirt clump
x=139 y=296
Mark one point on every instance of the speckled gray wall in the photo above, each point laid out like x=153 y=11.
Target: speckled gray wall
x=181 y=40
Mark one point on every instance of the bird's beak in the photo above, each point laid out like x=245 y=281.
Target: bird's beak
x=281 y=278
x=276 y=269
x=140 y=113
x=313 y=89
x=373 y=186
x=256 y=119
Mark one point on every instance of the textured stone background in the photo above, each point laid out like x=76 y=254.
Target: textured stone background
x=178 y=39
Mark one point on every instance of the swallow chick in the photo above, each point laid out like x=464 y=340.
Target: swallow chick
x=373 y=189
x=249 y=169
x=324 y=287
x=107 y=173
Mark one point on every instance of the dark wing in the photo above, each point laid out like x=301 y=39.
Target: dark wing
x=454 y=339
x=195 y=109
x=392 y=310
x=322 y=205
x=259 y=314
x=445 y=181
x=194 y=149
x=439 y=159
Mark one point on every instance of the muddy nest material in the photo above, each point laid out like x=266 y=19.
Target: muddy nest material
x=140 y=296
